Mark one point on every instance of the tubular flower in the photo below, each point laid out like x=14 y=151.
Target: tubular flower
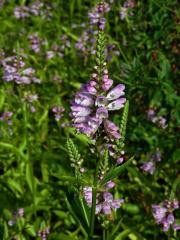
x=92 y=104
x=105 y=202
x=163 y=214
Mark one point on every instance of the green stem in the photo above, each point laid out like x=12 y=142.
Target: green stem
x=93 y=208
x=104 y=234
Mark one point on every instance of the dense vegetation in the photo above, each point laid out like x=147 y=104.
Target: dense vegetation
x=47 y=50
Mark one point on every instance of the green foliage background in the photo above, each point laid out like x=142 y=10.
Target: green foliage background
x=34 y=165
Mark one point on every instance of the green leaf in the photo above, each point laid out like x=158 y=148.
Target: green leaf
x=175 y=187
x=2 y=98
x=116 y=171
x=60 y=214
x=30 y=178
x=30 y=230
x=6 y=233
x=123 y=234
x=14 y=185
x=14 y=149
x=78 y=208
x=131 y=208
x=43 y=118
x=7 y=214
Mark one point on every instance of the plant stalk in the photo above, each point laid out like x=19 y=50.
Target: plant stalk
x=93 y=208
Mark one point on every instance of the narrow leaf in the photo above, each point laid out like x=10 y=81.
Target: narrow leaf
x=116 y=171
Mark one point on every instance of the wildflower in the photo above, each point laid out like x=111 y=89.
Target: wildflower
x=6 y=117
x=164 y=216
x=91 y=106
x=162 y=122
x=120 y=160
x=43 y=233
x=35 y=42
x=150 y=166
x=105 y=203
x=58 y=112
x=126 y=9
x=96 y=15
x=21 y=212
x=14 y=69
x=22 y=12
x=159 y=120
x=96 y=22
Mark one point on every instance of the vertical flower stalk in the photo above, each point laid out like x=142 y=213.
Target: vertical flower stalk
x=90 y=112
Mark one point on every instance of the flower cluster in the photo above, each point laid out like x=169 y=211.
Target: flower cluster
x=96 y=21
x=91 y=106
x=105 y=202
x=14 y=69
x=159 y=120
x=43 y=233
x=127 y=9
x=150 y=166
x=35 y=42
x=96 y=15
x=164 y=216
x=35 y=9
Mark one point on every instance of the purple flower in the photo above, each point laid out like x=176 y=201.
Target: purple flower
x=84 y=99
x=105 y=203
x=43 y=233
x=127 y=6
x=90 y=108
x=116 y=92
x=148 y=167
x=166 y=225
x=111 y=129
x=176 y=227
x=164 y=214
x=35 y=42
x=21 y=212
x=159 y=213
x=88 y=195
x=35 y=9
x=80 y=111
x=116 y=105
x=14 y=69
x=109 y=185
x=159 y=120
x=6 y=116
x=162 y=122
x=102 y=113
x=58 y=112
x=120 y=160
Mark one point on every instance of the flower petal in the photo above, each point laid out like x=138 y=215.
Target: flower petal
x=117 y=104
x=116 y=92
